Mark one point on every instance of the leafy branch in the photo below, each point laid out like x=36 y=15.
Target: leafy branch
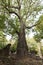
x=29 y=27
x=7 y=7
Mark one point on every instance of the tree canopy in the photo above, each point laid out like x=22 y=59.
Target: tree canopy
x=28 y=12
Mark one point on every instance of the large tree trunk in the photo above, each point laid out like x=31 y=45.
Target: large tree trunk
x=22 y=49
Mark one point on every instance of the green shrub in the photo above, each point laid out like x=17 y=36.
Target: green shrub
x=13 y=47
x=2 y=45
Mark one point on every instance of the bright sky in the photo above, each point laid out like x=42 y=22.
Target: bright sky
x=8 y=37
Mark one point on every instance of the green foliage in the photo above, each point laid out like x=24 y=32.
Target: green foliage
x=39 y=30
x=3 y=40
x=14 y=47
x=13 y=25
x=37 y=37
x=40 y=26
x=34 y=47
x=27 y=10
x=2 y=20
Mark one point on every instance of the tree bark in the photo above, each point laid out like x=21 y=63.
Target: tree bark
x=22 y=48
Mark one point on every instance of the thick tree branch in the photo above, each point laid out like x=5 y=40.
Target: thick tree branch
x=29 y=27
x=10 y=11
x=13 y=7
x=19 y=4
x=14 y=13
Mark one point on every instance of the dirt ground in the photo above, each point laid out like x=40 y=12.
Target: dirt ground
x=12 y=60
